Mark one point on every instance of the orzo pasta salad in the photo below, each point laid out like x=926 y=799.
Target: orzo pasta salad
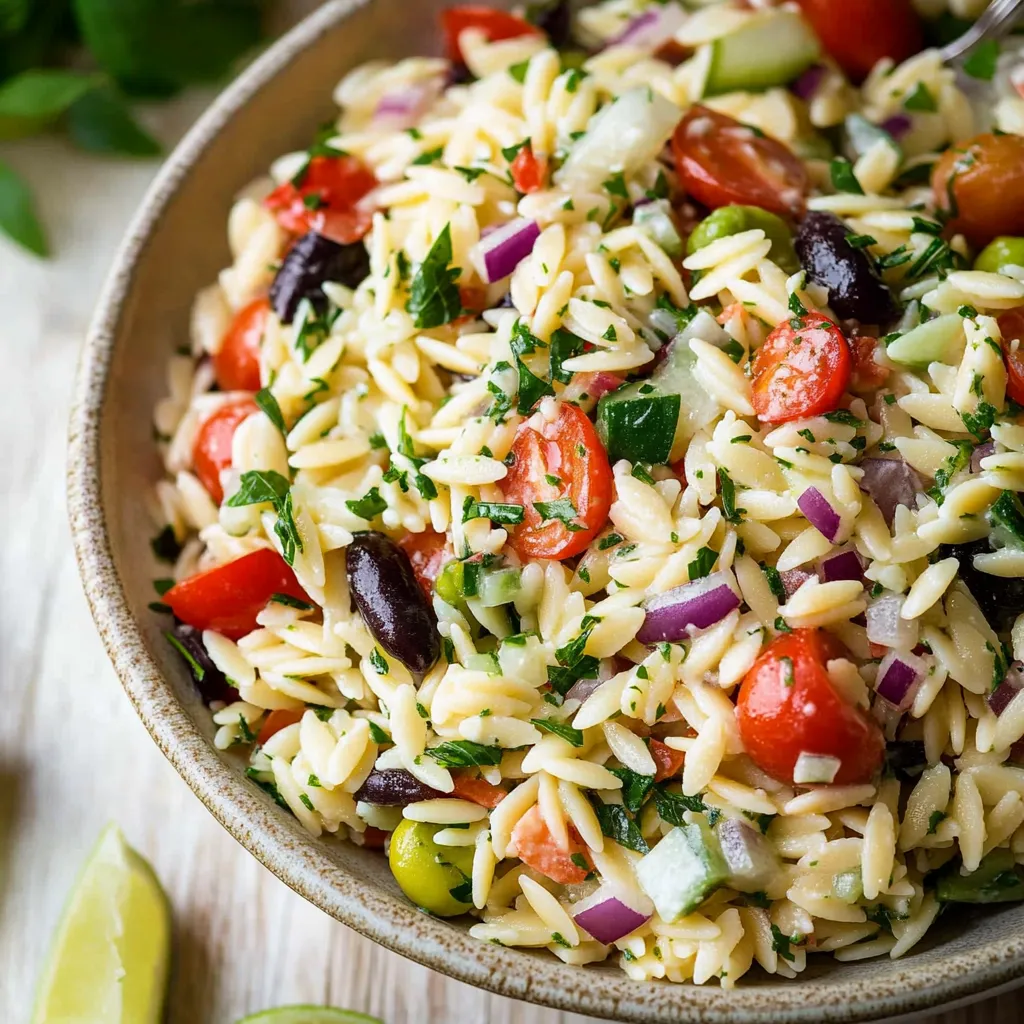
x=595 y=483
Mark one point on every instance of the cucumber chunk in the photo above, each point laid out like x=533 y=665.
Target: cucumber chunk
x=862 y=134
x=848 y=886
x=996 y=880
x=770 y=49
x=941 y=340
x=683 y=870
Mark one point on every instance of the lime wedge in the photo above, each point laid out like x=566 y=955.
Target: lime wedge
x=309 y=1015
x=109 y=960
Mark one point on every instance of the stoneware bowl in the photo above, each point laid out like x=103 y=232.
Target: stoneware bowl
x=176 y=245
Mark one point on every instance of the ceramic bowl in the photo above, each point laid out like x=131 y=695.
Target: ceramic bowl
x=176 y=245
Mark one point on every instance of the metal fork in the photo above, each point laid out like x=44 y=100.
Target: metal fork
x=998 y=19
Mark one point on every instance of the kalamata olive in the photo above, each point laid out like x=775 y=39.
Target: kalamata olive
x=394 y=608
x=554 y=18
x=1001 y=599
x=906 y=758
x=394 y=787
x=310 y=262
x=855 y=291
x=210 y=681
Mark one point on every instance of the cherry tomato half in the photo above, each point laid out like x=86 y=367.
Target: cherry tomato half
x=859 y=33
x=237 y=364
x=529 y=172
x=868 y=373
x=227 y=599
x=802 y=369
x=326 y=199
x=982 y=183
x=1011 y=326
x=211 y=450
x=567 y=451
x=668 y=760
x=722 y=161
x=495 y=25
x=426 y=552
x=278 y=720
x=787 y=705
x=537 y=847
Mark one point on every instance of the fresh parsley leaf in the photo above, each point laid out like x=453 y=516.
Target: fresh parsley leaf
x=920 y=98
x=518 y=71
x=672 y=807
x=378 y=735
x=934 y=820
x=959 y=460
x=635 y=787
x=531 y=387
x=781 y=943
x=1008 y=513
x=463 y=892
x=843 y=178
x=702 y=564
x=433 y=296
x=497 y=512
x=727 y=488
x=197 y=669
x=292 y=602
x=369 y=506
x=564 y=345
x=566 y=731
x=845 y=417
x=981 y=63
x=561 y=509
x=379 y=662
x=465 y=754
x=268 y=403
x=617 y=825
x=980 y=421
x=775 y=584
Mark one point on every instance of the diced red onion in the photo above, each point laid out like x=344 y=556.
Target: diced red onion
x=885 y=625
x=899 y=676
x=403 y=108
x=750 y=857
x=653 y=28
x=609 y=914
x=815 y=769
x=593 y=385
x=809 y=82
x=671 y=616
x=793 y=580
x=503 y=250
x=843 y=565
x=890 y=482
x=897 y=126
x=819 y=513
x=583 y=688
x=1011 y=685
x=983 y=451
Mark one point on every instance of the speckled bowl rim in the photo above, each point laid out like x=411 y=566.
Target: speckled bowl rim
x=305 y=865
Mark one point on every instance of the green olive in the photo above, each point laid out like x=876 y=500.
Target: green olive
x=428 y=873
x=1002 y=252
x=731 y=220
x=449 y=583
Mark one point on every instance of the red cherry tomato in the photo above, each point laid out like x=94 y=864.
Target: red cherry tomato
x=375 y=838
x=276 y=721
x=787 y=705
x=477 y=790
x=211 y=450
x=227 y=599
x=1011 y=326
x=722 y=161
x=529 y=172
x=859 y=33
x=325 y=200
x=495 y=25
x=536 y=847
x=867 y=374
x=667 y=759
x=567 y=449
x=237 y=364
x=802 y=369
x=981 y=182
x=426 y=552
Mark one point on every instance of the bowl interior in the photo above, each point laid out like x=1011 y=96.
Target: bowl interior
x=177 y=245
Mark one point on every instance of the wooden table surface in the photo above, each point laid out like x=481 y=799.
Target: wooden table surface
x=73 y=756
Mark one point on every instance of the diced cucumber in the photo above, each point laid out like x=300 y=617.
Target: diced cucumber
x=848 y=886
x=941 y=340
x=683 y=870
x=996 y=880
x=484 y=663
x=750 y=858
x=862 y=134
x=655 y=220
x=768 y=50
x=498 y=587
x=645 y=421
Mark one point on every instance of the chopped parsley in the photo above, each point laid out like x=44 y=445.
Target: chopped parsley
x=433 y=296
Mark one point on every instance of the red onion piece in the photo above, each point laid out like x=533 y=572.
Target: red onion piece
x=608 y=914
x=582 y=689
x=794 y=579
x=897 y=126
x=1011 y=685
x=819 y=513
x=653 y=28
x=396 y=111
x=593 y=385
x=899 y=676
x=890 y=482
x=809 y=82
x=983 y=451
x=885 y=625
x=503 y=250
x=751 y=859
x=671 y=616
x=843 y=565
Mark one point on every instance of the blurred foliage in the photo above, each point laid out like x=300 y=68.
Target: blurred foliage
x=75 y=65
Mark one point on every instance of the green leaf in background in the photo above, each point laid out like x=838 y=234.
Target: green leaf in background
x=31 y=100
x=154 y=47
x=18 y=217
x=13 y=16
x=101 y=122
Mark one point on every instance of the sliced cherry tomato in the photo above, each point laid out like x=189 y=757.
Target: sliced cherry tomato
x=868 y=374
x=211 y=450
x=722 y=161
x=374 y=838
x=537 y=848
x=426 y=552
x=529 y=172
x=278 y=720
x=981 y=183
x=237 y=364
x=1011 y=326
x=802 y=369
x=859 y=33
x=788 y=706
x=477 y=790
x=569 y=451
x=679 y=468
x=227 y=599
x=326 y=199
x=667 y=759
x=495 y=25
